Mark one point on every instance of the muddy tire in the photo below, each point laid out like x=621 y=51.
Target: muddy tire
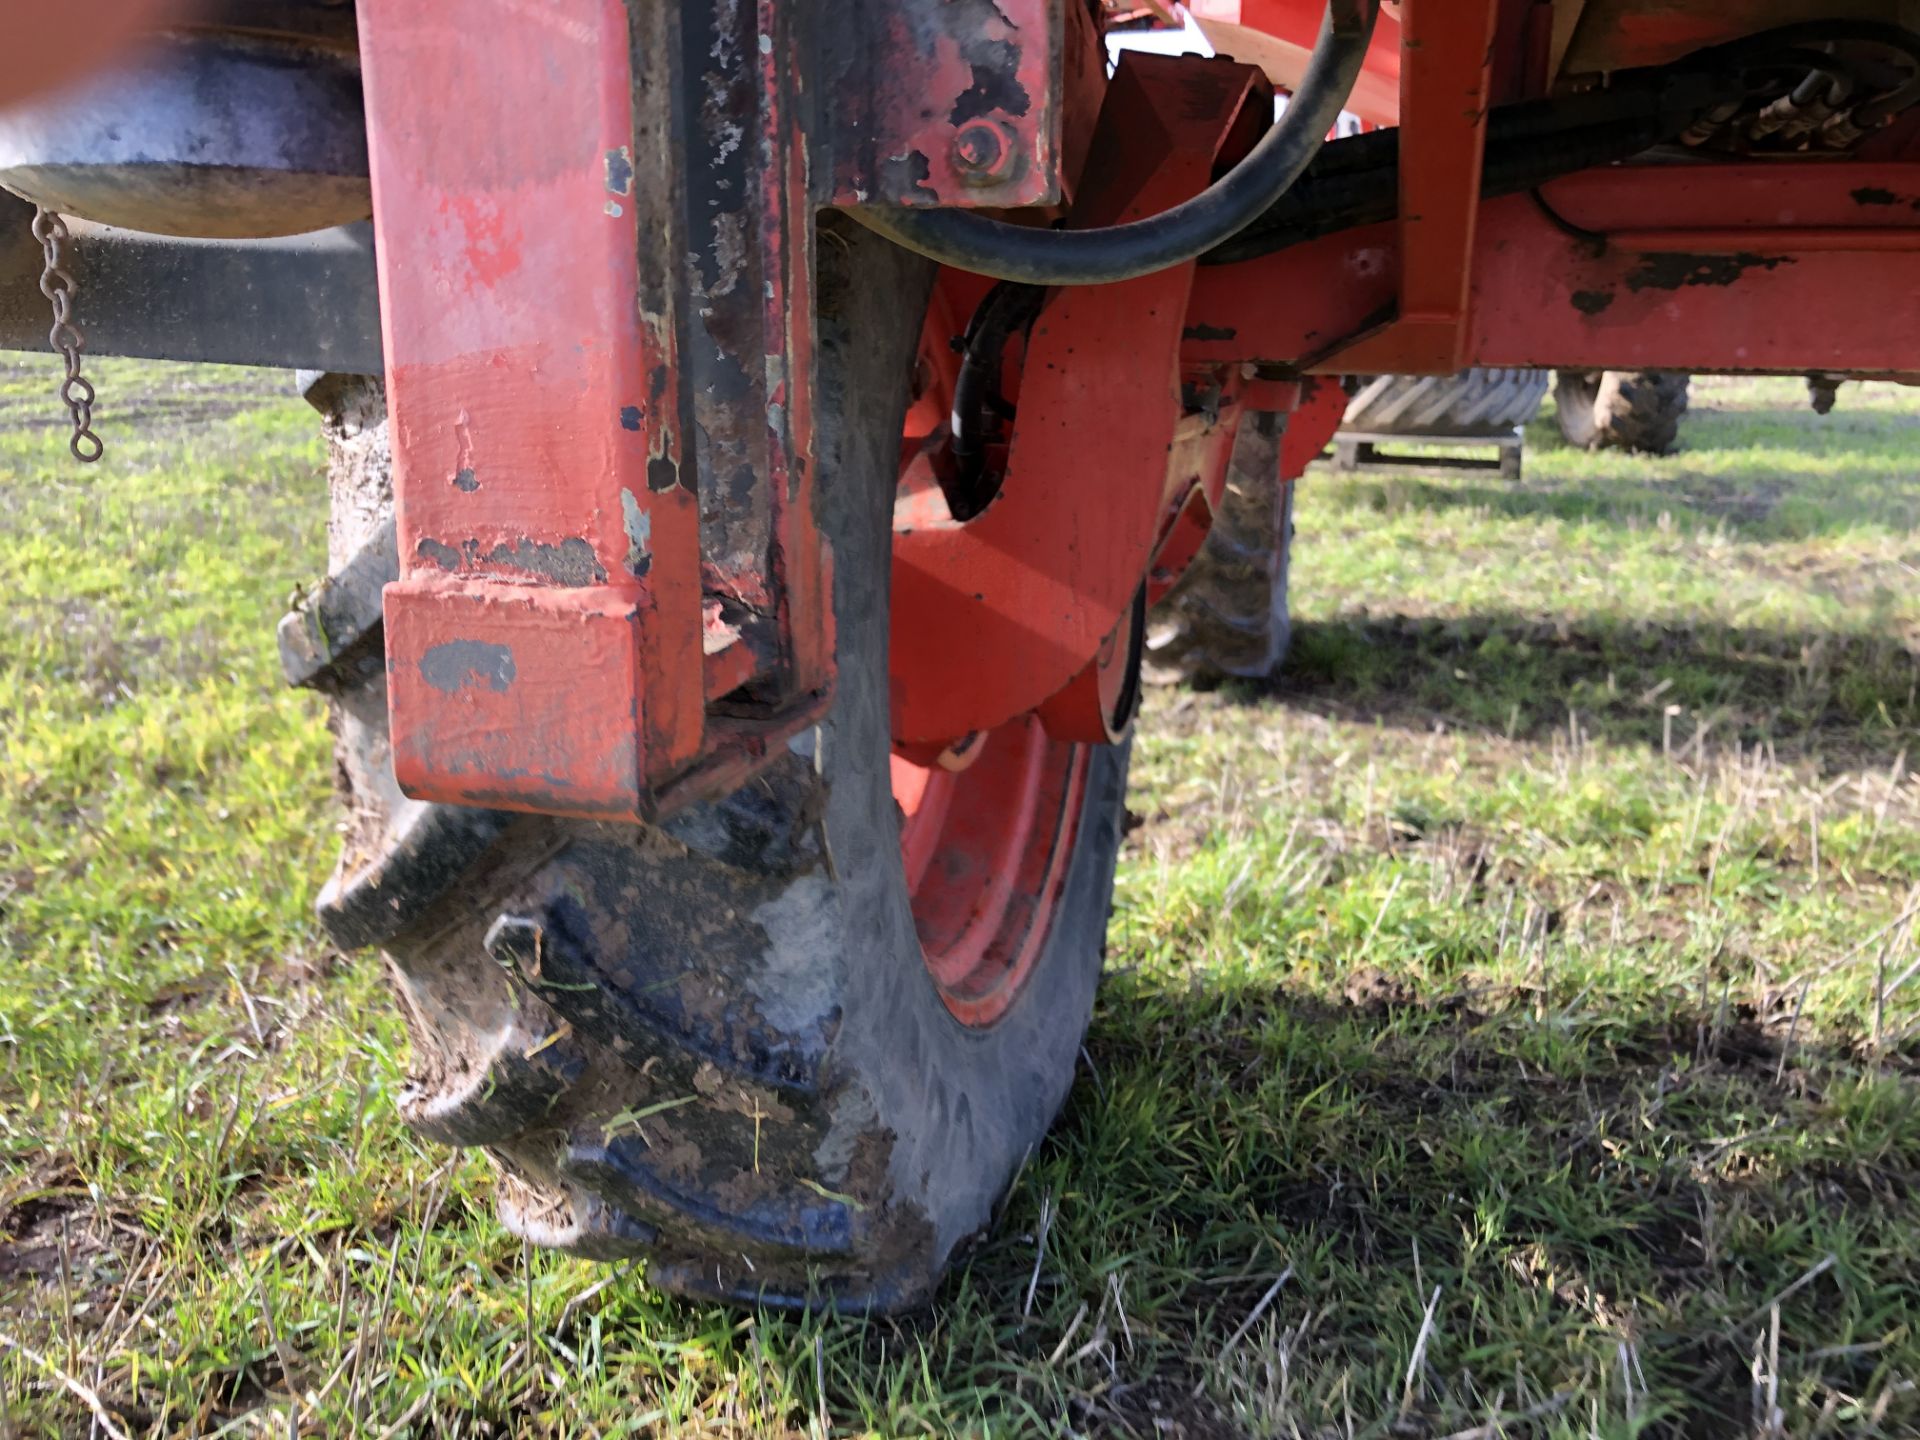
x=718 y=1043
x=1638 y=410
x=1228 y=617
x=1472 y=403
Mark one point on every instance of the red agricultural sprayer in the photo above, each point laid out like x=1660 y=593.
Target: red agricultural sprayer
x=761 y=429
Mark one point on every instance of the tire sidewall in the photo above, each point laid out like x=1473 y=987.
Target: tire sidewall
x=962 y=1106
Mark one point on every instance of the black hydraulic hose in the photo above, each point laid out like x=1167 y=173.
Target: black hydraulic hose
x=1356 y=181
x=1008 y=308
x=1760 y=45
x=1111 y=253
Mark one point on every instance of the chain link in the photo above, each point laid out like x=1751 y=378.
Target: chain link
x=57 y=284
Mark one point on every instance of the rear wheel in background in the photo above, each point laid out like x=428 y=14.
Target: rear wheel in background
x=792 y=1045
x=1638 y=410
x=1228 y=618
x=1472 y=404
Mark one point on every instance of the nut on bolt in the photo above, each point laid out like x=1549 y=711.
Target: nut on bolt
x=983 y=152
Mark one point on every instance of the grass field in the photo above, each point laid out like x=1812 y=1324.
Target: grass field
x=1511 y=1025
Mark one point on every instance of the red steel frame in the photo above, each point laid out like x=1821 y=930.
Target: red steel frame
x=1446 y=71
x=1695 y=273
x=571 y=635
x=549 y=610
x=993 y=616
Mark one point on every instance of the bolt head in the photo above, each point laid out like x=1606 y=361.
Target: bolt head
x=983 y=152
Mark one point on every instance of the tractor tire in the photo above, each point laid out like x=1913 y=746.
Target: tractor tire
x=1471 y=404
x=724 y=1043
x=1637 y=410
x=1227 y=617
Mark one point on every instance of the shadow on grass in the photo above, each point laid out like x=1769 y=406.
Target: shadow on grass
x=1844 y=698
x=1566 y=1180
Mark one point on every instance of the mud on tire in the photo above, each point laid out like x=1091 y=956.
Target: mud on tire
x=714 y=1043
x=1637 y=410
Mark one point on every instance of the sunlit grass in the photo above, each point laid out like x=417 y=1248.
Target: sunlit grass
x=1523 y=976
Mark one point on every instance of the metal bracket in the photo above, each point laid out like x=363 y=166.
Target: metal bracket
x=995 y=614
x=962 y=103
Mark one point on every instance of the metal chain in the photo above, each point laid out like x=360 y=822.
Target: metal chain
x=57 y=284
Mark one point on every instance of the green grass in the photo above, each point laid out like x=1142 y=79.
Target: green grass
x=1523 y=974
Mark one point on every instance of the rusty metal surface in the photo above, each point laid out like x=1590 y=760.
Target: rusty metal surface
x=958 y=102
x=201 y=133
x=741 y=208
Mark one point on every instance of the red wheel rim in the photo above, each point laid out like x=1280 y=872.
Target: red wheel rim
x=986 y=837
x=986 y=851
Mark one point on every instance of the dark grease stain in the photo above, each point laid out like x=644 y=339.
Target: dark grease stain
x=619 y=172
x=996 y=81
x=1874 y=195
x=439 y=553
x=909 y=174
x=1592 y=302
x=630 y=417
x=1675 y=270
x=571 y=562
x=1209 y=332
x=452 y=667
x=662 y=474
x=465 y=481
x=740 y=488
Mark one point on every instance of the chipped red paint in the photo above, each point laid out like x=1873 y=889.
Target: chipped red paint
x=994 y=615
x=571 y=292
x=599 y=325
x=546 y=640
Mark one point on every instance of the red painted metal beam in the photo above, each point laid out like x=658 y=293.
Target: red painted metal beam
x=1446 y=78
x=597 y=300
x=1311 y=426
x=1631 y=288
x=544 y=639
x=1768 y=195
